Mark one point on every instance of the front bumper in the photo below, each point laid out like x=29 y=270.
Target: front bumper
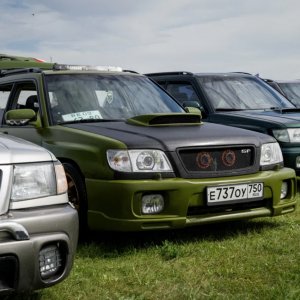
x=116 y=204
x=23 y=234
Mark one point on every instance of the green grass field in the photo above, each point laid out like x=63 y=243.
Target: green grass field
x=256 y=259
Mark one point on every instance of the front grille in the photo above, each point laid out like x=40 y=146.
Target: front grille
x=8 y=273
x=222 y=161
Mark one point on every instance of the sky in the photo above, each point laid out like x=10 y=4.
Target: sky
x=257 y=36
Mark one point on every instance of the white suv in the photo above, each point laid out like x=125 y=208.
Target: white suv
x=38 y=226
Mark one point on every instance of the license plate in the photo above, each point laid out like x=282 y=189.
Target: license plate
x=225 y=193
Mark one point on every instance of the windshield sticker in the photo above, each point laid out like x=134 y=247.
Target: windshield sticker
x=83 y=115
x=104 y=97
x=109 y=97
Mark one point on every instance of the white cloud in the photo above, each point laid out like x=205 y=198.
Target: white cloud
x=158 y=35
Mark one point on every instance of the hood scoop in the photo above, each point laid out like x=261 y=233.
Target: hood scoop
x=166 y=119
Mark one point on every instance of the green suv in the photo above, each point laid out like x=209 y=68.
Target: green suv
x=134 y=159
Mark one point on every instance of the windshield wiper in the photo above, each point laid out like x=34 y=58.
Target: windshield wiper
x=229 y=109
x=296 y=109
x=274 y=108
x=283 y=109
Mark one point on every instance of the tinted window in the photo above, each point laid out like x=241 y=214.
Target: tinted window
x=241 y=93
x=292 y=91
x=182 y=91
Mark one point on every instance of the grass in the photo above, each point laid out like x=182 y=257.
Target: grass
x=257 y=259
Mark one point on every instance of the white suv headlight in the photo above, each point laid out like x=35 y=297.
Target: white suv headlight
x=38 y=180
x=270 y=154
x=142 y=160
x=290 y=135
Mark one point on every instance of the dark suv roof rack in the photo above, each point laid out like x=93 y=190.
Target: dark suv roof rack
x=170 y=73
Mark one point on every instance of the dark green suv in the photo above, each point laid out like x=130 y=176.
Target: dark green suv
x=134 y=159
x=240 y=100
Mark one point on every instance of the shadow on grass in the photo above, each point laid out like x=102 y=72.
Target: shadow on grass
x=118 y=243
x=23 y=296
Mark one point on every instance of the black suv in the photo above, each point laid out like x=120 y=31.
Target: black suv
x=241 y=100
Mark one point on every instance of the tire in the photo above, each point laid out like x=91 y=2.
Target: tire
x=77 y=195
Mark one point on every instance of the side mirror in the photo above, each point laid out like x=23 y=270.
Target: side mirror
x=191 y=104
x=193 y=110
x=194 y=107
x=19 y=117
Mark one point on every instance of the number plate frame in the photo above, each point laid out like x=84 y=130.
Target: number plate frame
x=235 y=193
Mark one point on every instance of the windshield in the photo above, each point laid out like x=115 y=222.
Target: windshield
x=80 y=97
x=241 y=93
x=292 y=91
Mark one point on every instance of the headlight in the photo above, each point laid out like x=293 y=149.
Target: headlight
x=37 y=180
x=270 y=154
x=138 y=161
x=287 y=135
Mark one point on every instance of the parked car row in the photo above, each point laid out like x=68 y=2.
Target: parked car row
x=139 y=158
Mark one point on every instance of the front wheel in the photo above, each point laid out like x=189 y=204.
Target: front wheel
x=77 y=194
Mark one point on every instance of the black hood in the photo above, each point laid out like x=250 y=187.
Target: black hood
x=169 y=138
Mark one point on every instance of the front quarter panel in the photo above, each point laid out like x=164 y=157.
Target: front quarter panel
x=88 y=150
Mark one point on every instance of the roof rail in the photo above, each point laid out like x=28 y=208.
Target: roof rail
x=169 y=73
x=64 y=67
x=19 y=71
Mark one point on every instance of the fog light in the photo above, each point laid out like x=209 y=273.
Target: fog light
x=152 y=204
x=50 y=261
x=298 y=162
x=284 y=190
